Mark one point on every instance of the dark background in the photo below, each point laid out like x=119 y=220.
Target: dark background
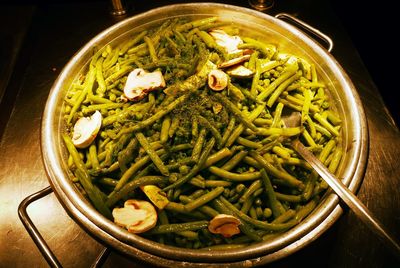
x=374 y=28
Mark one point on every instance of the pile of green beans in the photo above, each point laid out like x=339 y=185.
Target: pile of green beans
x=210 y=152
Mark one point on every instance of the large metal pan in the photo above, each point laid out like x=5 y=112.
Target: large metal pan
x=289 y=39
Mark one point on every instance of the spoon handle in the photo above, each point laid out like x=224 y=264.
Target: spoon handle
x=349 y=198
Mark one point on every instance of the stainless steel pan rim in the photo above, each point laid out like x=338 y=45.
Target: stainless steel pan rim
x=83 y=213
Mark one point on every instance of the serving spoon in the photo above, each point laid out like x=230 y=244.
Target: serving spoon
x=351 y=200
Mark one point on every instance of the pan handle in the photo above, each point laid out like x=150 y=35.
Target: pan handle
x=38 y=238
x=308 y=27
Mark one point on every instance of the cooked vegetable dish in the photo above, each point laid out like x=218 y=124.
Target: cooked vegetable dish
x=177 y=134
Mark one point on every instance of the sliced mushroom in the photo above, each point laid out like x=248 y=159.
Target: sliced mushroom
x=234 y=61
x=136 y=216
x=156 y=195
x=228 y=42
x=140 y=82
x=86 y=129
x=217 y=80
x=226 y=225
x=240 y=71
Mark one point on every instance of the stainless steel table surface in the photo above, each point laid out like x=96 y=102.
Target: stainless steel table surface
x=56 y=31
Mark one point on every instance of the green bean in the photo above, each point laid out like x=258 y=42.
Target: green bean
x=216 y=157
x=93 y=156
x=108 y=181
x=236 y=92
x=256 y=223
x=306 y=209
x=248 y=143
x=150 y=47
x=248 y=176
x=281 y=151
x=174 y=126
x=214 y=131
x=129 y=187
x=190 y=235
x=111 y=60
x=118 y=74
x=235 y=160
x=235 y=111
x=131 y=42
x=217 y=183
x=99 y=77
x=236 y=133
x=89 y=80
x=326 y=124
x=278 y=91
x=196 y=168
x=276 y=206
x=283 y=77
x=228 y=131
x=204 y=199
x=149 y=121
x=286 y=177
x=152 y=154
x=196 y=181
x=300 y=102
x=314 y=77
x=289 y=198
x=285 y=217
x=105 y=106
x=199 y=144
x=204 y=209
x=323 y=155
x=128 y=174
x=269 y=65
x=336 y=157
x=180 y=210
x=165 y=129
x=254 y=186
x=178 y=227
x=84 y=178
x=197 y=23
x=266 y=49
x=126 y=155
x=256 y=77
x=247 y=204
x=306 y=105
x=195 y=128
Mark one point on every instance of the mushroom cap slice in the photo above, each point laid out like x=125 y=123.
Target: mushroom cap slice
x=217 y=80
x=86 y=129
x=234 y=61
x=228 y=42
x=226 y=225
x=136 y=216
x=140 y=82
x=240 y=71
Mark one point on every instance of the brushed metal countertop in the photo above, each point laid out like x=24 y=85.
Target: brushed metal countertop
x=57 y=31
